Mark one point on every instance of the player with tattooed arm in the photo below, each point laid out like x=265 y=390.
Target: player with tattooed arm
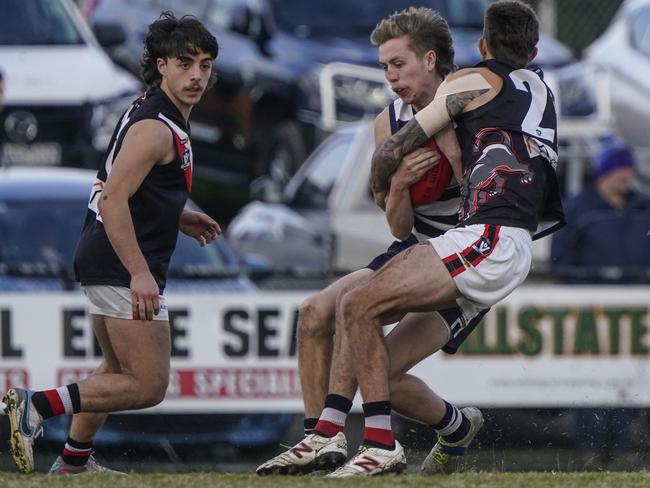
x=506 y=126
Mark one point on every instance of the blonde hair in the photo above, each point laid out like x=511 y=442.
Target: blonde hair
x=427 y=31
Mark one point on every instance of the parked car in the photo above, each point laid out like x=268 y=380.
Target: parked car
x=324 y=221
x=292 y=71
x=623 y=50
x=41 y=214
x=63 y=94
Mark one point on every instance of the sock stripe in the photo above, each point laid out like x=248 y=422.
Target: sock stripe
x=453 y=424
x=72 y=449
x=379 y=436
x=76 y=456
x=333 y=415
x=73 y=391
x=329 y=429
x=68 y=452
x=309 y=424
x=55 y=402
x=64 y=394
x=378 y=422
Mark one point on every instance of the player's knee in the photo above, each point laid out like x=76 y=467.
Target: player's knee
x=108 y=367
x=314 y=317
x=154 y=392
x=351 y=306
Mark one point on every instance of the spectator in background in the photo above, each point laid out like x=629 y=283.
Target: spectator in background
x=607 y=236
x=606 y=240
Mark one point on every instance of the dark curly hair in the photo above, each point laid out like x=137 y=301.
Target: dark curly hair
x=170 y=37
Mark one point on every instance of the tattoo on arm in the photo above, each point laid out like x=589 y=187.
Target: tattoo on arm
x=456 y=102
x=388 y=154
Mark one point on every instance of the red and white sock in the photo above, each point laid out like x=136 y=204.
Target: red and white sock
x=378 y=431
x=63 y=400
x=332 y=419
x=77 y=453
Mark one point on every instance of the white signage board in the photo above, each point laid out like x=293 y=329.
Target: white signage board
x=543 y=346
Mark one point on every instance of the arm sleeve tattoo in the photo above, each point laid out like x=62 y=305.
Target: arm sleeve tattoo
x=389 y=153
x=451 y=99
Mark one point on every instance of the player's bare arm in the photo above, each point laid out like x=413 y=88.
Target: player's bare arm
x=396 y=198
x=447 y=142
x=146 y=144
x=382 y=131
x=389 y=153
x=399 y=210
x=454 y=96
x=415 y=164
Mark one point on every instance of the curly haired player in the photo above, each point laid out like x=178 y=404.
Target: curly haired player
x=135 y=212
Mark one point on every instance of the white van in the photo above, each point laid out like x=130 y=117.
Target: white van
x=63 y=95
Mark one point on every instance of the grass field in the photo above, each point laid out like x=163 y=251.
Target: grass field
x=470 y=480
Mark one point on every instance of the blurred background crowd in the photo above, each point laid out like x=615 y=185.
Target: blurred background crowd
x=282 y=147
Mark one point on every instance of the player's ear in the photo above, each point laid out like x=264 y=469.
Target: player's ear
x=482 y=47
x=161 y=64
x=533 y=54
x=430 y=59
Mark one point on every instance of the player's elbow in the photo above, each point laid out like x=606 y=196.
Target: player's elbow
x=401 y=231
x=380 y=199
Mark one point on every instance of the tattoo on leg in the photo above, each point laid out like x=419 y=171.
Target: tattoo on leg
x=406 y=253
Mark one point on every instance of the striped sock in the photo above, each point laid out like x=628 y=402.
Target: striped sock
x=453 y=426
x=60 y=401
x=76 y=453
x=378 y=432
x=332 y=419
x=309 y=424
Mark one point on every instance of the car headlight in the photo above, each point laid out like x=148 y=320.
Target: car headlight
x=105 y=116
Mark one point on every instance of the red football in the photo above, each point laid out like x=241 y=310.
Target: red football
x=434 y=182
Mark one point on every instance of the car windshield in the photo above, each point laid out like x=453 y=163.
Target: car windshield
x=36 y=22
x=311 y=186
x=363 y=16
x=41 y=236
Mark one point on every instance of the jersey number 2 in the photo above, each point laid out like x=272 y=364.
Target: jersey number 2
x=528 y=81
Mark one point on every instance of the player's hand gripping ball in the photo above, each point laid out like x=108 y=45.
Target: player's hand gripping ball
x=434 y=182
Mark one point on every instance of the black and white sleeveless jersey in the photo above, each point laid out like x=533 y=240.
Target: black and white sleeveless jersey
x=509 y=151
x=435 y=218
x=155 y=207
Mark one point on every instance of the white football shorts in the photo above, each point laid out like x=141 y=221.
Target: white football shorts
x=487 y=262
x=115 y=301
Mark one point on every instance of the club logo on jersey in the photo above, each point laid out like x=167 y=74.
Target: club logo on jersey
x=497 y=167
x=187 y=158
x=183 y=149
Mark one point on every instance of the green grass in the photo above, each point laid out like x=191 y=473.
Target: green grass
x=478 y=480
